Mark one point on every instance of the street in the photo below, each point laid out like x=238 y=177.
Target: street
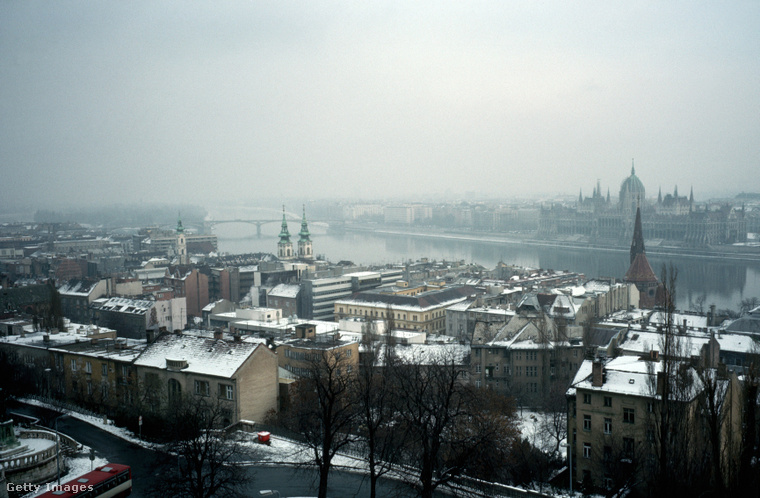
x=146 y=471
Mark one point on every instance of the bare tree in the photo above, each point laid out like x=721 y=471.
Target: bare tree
x=205 y=454
x=372 y=392
x=448 y=426
x=748 y=304
x=322 y=411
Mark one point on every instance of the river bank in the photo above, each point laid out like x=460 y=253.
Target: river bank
x=749 y=253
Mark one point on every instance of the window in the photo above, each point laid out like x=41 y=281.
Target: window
x=607 y=401
x=89 y=387
x=628 y=447
x=586 y=399
x=201 y=388
x=586 y=450
x=73 y=365
x=628 y=415
x=88 y=367
x=477 y=383
x=124 y=371
x=608 y=426
x=226 y=391
x=587 y=422
x=477 y=368
x=650 y=407
x=104 y=368
x=104 y=391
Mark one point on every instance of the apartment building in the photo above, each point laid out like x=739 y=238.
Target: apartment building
x=425 y=311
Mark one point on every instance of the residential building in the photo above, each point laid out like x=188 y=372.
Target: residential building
x=300 y=356
x=239 y=373
x=613 y=418
x=530 y=357
x=78 y=295
x=425 y=311
x=192 y=285
x=285 y=297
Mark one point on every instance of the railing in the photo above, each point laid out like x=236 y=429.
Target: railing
x=33 y=460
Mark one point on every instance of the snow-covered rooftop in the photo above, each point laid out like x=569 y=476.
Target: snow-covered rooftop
x=204 y=356
x=285 y=290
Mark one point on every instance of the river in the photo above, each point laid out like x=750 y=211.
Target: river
x=721 y=282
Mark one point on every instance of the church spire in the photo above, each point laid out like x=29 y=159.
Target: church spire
x=304 y=233
x=284 y=233
x=637 y=244
x=180 y=228
x=633 y=170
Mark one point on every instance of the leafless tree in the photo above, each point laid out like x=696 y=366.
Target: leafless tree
x=205 y=454
x=322 y=410
x=748 y=304
x=448 y=426
x=372 y=394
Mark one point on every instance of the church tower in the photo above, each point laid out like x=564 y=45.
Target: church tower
x=304 y=240
x=640 y=272
x=284 y=246
x=181 y=243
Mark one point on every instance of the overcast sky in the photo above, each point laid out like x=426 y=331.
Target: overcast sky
x=169 y=101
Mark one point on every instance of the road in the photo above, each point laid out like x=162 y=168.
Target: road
x=146 y=469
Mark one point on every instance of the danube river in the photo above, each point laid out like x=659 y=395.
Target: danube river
x=712 y=280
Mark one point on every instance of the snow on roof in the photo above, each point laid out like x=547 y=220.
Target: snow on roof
x=460 y=306
x=623 y=375
x=692 y=321
x=204 y=356
x=125 y=305
x=362 y=274
x=286 y=291
x=629 y=375
x=429 y=354
x=78 y=287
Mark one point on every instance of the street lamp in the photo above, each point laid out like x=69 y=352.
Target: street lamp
x=569 y=463
x=57 y=448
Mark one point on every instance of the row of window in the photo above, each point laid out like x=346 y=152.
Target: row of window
x=629 y=417
x=627 y=450
x=103 y=368
x=225 y=391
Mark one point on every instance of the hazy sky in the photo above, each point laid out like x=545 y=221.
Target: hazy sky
x=167 y=101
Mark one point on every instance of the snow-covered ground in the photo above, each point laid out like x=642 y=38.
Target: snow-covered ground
x=281 y=451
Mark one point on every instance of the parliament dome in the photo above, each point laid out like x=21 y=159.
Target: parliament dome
x=631 y=190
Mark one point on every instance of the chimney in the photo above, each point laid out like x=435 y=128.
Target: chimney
x=218 y=334
x=597 y=379
x=660 y=383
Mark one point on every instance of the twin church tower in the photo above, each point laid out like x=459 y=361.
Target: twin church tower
x=285 y=246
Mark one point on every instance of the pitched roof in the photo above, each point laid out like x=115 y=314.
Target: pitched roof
x=204 y=355
x=640 y=270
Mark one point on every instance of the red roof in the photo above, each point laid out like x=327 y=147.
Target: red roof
x=640 y=270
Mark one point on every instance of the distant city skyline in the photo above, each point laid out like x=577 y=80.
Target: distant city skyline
x=147 y=102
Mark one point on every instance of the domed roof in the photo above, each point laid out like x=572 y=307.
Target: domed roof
x=632 y=184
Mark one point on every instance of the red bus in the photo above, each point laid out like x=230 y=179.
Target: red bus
x=110 y=480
